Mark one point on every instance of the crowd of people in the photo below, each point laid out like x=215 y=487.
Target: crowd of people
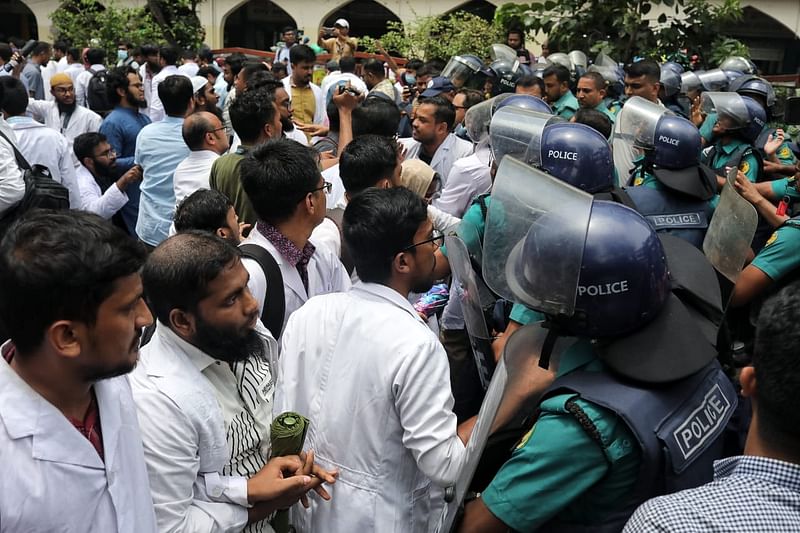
x=482 y=293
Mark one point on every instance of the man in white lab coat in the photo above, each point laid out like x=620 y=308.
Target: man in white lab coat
x=72 y=457
x=204 y=390
x=205 y=136
x=288 y=194
x=96 y=57
x=373 y=378
x=39 y=144
x=167 y=58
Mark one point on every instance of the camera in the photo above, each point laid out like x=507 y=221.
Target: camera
x=23 y=53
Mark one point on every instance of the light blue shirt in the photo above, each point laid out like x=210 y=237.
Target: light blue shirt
x=159 y=149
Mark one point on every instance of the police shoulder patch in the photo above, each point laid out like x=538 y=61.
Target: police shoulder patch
x=772 y=238
x=784 y=152
x=638 y=181
x=744 y=167
x=525 y=438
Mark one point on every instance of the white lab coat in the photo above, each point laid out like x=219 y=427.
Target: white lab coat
x=451 y=150
x=82 y=84
x=12 y=186
x=43 y=146
x=192 y=173
x=156 y=107
x=83 y=120
x=468 y=178
x=326 y=274
x=319 y=99
x=52 y=478
x=336 y=77
x=94 y=200
x=374 y=381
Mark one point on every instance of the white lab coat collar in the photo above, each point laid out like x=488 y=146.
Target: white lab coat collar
x=291 y=277
x=163 y=365
x=378 y=292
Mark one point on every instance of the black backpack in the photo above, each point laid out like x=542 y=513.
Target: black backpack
x=96 y=95
x=274 y=301
x=41 y=190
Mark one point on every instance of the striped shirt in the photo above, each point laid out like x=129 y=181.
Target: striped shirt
x=748 y=494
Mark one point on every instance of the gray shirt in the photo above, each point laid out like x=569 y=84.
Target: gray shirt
x=32 y=78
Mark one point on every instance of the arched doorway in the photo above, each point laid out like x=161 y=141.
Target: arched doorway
x=17 y=20
x=774 y=48
x=479 y=8
x=365 y=17
x=256 y=24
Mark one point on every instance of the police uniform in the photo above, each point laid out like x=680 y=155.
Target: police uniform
x=603 y=109
x=780 y=256
x=785 y=187
x=566 y=106
x=784 y=152
x=612 y=105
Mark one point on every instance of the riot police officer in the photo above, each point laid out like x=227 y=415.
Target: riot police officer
x=556 y=85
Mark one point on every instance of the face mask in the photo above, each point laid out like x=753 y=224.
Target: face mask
x=122 y=55
x=409 y=79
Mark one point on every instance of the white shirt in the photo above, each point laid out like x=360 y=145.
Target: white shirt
x=156 y=107
x=319 y=99
x=189 y=69
x=192 y=173
x=336 y=197
x=468 y=178
x=82 y=120
x=451 y=150
x=62 y=64
x=335 y=77
x=12 y=186
x=82 y=84
x=199 y=433
x=52 y=478
x=147 y=81
x=43 y=146
x=74 y=70
x=48 y=71
x=326 y=274
x=94 y=200
x=374 y=381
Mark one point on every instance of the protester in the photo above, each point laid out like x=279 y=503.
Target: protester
x=189 y=67
x=74 y=64
x=377 y=82
x=96 y=58
x=12 y=186
x=345 y=76
x=515 y=39
x=339 y=44
x=289 y=36
x=204 y=134
x=72 y=303
x=307 y=99
x=32 y=72
x=148 y=71
x=205 y=99
x=167 y=59
x=210 y=211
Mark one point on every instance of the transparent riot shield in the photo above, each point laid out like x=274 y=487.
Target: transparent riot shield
x=727 y=241
x=560 y=58
x=502 y=51
x=478 y=117
x=518 y=132
x=690 y=82
x=603 y=60
x=634 y=129
x=536 y=228
x=740 y=64
x=578 y=60
x=517 y=376
x=472 y=304
x=459 y=71
x=730 y=108
x=714 y=80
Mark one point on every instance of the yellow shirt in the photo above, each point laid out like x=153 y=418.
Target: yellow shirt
x=304 y=104
x=340 y=48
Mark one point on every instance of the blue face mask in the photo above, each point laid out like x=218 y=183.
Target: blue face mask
x=122 y=55
x=409 y=79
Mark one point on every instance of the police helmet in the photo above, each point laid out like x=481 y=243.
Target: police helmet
x=749 y=85
x=739 y=63
x=525 y=101
x=465 y=70
x=670 y=81
x=579 y=155
x=560 y=58
x=674 y=66
x=505 y=75
x=624 y=279
x=758 y=119
x=677 y=143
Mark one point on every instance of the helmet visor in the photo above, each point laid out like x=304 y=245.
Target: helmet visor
x=730 y=109
x=517 y=132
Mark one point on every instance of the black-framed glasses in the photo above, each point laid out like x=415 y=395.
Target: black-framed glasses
x=215 y=130
x=437 y=238
x=328 y=186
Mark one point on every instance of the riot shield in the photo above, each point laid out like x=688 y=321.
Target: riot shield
x=518 y=132
x=502 y=51
x=578 y=60
x=634 y=129
x=740 y=64
x=727 y=241
x=713 y=80
x=478 y=117
x=517 y=375
x=603 y=60
x=730 y=108
x=560 y=58
x=472 y=305
x=690 y=82
x=533 y=215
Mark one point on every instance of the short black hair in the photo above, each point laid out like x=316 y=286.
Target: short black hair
x=5 y=52
x=347 y=64
x=414 y=64
x=279 y=66
x=301 y=53
x=435 y=66
x=40 y=47
x=203 y=210
x=376 y=115
x=287 y=29
x=277 y=175
x=60 y=265
x=74 y=53
x=208 y=71
x=597 y=78
x=61 y=46
x=178 y=272
x=175 y=93
x=559 y=71
x=471 y=97
x=149 y=50
x=85 y=143
x=377 y=225
x=594 y=119
x=205 y=53
x=250 y=112
x=775 y=352
x=518 y=31
x=169 y=54
x=194 y=130
x=96 y=56
x=235 y=62
x=117 y=78
x=374 y=66
x=531 y=80
x=445 y=112
x=365 y=161
x=646 y=67
x=262 y=80
x=251 y=67
x=15 y=98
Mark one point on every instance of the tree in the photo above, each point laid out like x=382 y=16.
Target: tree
x=623 y=30
x=439 y=37
x=86 y=22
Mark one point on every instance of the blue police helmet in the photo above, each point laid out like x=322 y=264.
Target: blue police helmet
x=579 y=155
x=750 y=85
x=758 y=119
x=624 y=278
x=505 y=74
x=526 y=101
x=676 y=143
x=675 y=67
x=473 y=61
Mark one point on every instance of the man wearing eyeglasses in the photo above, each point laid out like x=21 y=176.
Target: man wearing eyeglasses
x=287 y=192
x=373 y=378
x=64 y=114
x=204 y=134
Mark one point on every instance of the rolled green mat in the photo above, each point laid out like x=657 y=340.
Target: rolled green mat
x=287 y=435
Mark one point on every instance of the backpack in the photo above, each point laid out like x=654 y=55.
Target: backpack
x=96 y=96
x=274 y=301
x=41 y=190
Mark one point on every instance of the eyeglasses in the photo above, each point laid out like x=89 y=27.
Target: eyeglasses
x=215 y=130
x=64 y=90
x=437 y=238
x=106 y=153
x=328 y=186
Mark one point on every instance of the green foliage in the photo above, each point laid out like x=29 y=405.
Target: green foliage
x=439 y=37
x=625 y=29
x=85 y=22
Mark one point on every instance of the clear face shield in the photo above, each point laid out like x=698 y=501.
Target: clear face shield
x=518 y=132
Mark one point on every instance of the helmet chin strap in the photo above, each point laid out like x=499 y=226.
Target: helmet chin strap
x=554 y=331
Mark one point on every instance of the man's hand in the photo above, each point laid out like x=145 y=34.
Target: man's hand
x=315 y=130
x=133 y=175
x=318 y=474
x=696 y=114
x=347 y=101
x=747 y=188
x=285 y=480
x=774 y=142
